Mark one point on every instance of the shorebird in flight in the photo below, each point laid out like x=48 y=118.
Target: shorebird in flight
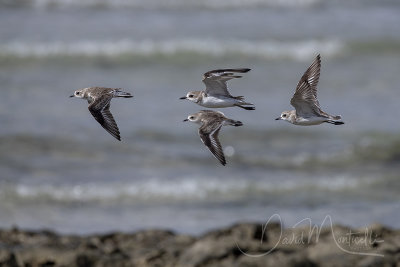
x=210 y=125
x=216 y=94
x=304 y=100
x=99 y=99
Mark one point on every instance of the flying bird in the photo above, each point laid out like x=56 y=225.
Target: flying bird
x=210 y=125
x=99 y=99
x=216 y=94
x=304 y=100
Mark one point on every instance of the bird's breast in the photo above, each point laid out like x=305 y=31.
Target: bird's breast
x=217 y=102
x=309 y=121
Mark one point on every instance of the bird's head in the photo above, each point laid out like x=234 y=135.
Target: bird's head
x=79 y=93
x=193 y=118
x=193 y=96
x=285 y=116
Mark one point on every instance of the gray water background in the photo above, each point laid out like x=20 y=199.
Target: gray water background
x=60 y=170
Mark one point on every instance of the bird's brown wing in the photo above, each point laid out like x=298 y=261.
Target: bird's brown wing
x=210 y=139
x=100 y=109
x=215 y=80
x=304 y=99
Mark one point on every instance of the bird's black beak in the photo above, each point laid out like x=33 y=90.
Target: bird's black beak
x=185 y=120
x=183 y=97
x=277 y=119
x=71 y=96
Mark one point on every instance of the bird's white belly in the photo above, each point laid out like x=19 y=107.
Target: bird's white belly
x=309 y=121
x=218 y=102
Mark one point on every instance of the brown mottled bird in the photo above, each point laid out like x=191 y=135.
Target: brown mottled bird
x=99 y=99
x=211 y=123
x=304 y=100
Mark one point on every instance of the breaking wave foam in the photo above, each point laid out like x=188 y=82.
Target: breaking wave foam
x=300 y=50
x=150 y=4
x=188 y=189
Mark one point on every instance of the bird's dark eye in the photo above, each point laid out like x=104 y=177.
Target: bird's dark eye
x=191 y=95
x=284 y=115
x=192 y=118
x=77 y=93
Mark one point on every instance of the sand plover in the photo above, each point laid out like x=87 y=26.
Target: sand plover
x=216 y=94
x=304 y=100
x=211 y=122
x=99 y=99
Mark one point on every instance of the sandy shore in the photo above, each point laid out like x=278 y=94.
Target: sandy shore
x=247 y=244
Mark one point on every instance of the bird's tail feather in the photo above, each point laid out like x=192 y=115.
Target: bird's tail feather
x=242 y=103
x=241 y=98
x=338 y=117
x=234 y=123
x=246 y=107
x=335 y=122
x=119 y=93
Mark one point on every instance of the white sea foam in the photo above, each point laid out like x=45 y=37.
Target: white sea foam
x=300 y=50
x=192 y=189
x=210 y=4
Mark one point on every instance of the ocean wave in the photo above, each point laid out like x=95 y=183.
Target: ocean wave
x=299 y=50
x=190 y=189
x=373 y=149
x=152 y=4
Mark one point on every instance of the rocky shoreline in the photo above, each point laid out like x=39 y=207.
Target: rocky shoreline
x=245 y=244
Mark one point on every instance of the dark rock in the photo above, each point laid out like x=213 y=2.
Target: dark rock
x=244 y=245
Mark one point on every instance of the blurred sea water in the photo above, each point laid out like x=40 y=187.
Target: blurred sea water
x=59 y=169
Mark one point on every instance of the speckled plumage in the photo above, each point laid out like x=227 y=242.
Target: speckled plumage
x=308 y=110
x=210 y=125
x=99 y=99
